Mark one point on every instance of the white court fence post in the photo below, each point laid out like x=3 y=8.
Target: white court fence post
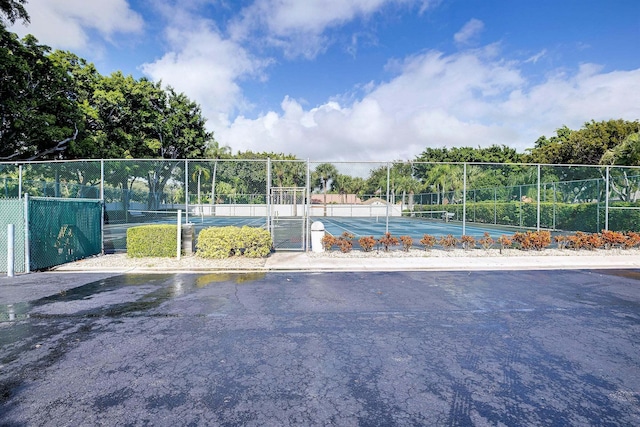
x=19 y=181
x=179 y=235
x=539 y=198
x=606 y=201
x=27 y=236
x=464 y=198
x=186 y=192
x=10 y=250
x=386 y=226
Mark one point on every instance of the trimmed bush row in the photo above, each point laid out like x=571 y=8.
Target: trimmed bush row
x=157 y=240
x=530 y=240
x=224 y=242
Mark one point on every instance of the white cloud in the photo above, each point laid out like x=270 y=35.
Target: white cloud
x=299 y=27
x=471 y=98
x=64 y=24
x=535 y=58
x=469 y=32
x=207 y=68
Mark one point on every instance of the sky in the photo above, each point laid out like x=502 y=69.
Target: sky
x=367 y=80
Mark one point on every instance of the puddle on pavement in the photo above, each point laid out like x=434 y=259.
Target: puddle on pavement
x=237 y=278
x=629 y=274
x=108 y=297
x=13 y=312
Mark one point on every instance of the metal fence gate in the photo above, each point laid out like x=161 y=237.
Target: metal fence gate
x=288 y=208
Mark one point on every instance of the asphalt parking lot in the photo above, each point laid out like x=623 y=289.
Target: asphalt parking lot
x=550 y=348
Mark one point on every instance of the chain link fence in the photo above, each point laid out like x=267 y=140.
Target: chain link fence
x=240 y=191
x=49 y=231
x=63 y=230
x=12 y=212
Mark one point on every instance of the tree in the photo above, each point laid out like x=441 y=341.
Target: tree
x=200 y=171
x=129 y=118
x=13 y=10
x=493 y=154
x=323 y=175
x=39 y=117
x=585 y=146
x=342 y=184
x=216 y=152
x=442 y=178
x=408 y=185
x=628 y=154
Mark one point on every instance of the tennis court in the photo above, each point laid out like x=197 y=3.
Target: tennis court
x=289 y=232
x=407 y=226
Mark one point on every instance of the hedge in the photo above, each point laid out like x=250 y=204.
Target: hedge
x=157 y=240
x=224 y=242
x=589 y=217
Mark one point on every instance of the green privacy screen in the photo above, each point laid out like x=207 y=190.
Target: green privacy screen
x=12 y=212
x=63 y=230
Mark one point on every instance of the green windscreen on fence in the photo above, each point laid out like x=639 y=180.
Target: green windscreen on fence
x=12 y=212
x=63 y=230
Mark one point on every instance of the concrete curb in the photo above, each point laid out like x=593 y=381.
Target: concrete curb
x=300 y=262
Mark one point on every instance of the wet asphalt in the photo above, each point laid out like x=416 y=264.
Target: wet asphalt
x=513 y=348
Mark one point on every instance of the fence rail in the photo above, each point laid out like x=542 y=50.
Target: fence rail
x=538 y=196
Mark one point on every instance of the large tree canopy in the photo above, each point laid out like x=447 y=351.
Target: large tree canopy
x=38 y=113
x=584 y=146
x=56 y=105
x=494 y=154
x=13 y=10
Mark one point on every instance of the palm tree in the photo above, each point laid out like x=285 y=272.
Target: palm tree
x=324 y=173
x=215 y=151
x=279 y=171
x=341 y=183
x=444 y=177
x=410 y=185
x=198 y=171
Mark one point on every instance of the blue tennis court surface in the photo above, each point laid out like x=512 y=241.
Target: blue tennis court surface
x=403 y=226
x=289 y=233
x=223 y=221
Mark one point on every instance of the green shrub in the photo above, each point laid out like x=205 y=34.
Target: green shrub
x=587 y=217
x=224 y=242
x=157 y=240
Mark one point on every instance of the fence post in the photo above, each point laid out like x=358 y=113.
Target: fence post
x=606 y=202
x=11 y=257
x=27 y=238
x=554 y=204
x=464 y=198
x=538 y=210
x=19 y=181
x=186 y=192
x=179 y=235
x=386 y=227
x=268 y=196
x=104 y=207
x=307 y=207
x=495 y=205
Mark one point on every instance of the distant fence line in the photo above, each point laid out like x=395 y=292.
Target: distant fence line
x=566 y=197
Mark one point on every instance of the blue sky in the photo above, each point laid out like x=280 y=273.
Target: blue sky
x=367 y=79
